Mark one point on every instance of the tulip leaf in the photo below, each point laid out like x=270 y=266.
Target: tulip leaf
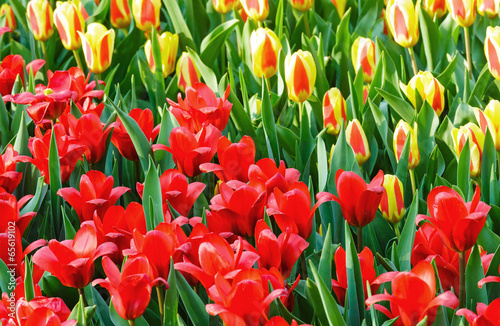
x=445 y=77
x=306 y=143
x=325 y=262
x=355 y=293
x=405 y=245
x=287 y=139
x=488 y=240
x=119 y=321
x=20 y=13
x=171 y=302
x=152 y=198
x=29 y=287
x=5 y=276
x=55 y=184
x=488 y=165
x=473 y=274
x=168 y=123
x=69 y=230
x=102 y=310
x=273 y=150
x=287 y=315
x=192 y=302
x=400 y=106
x=482 y=84
x=430 y=33
x=99 y=15
x=213 y=43
x=321 y=84
x=240 y=117
x=4 y=124
x=159 y=84
x=463 y=171
x=34 y=204
x=322 y=163
x=206 y=72
x=402 y=169
x=391 y=322
x=180 y=26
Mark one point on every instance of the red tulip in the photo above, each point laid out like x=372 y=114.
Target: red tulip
x=201 y=106
x=121 y=139
x=273 y=176
x=190 y=150
x=487 y=315
x=177 y=192
x=11 y=67
x=72 y=261
x=368 y=273
x=413 y=295
x=293 y=209
x=280 y=321
x=359 y=201
x=9 y=178
x=234 y=159
x=69 y=148
x=237 y=209
x=9 y=208
x=43 y=311
x=489 y=279
x=96 y=194
x=279 y=252
x=130 y=290
x=273 y=276
x=457 y=222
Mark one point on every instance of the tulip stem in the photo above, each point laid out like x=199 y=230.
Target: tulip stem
x=359 y=239
x=223 y=50
x=396 y=229
x=303 y=265
x=78 y=60
x=467 y=51
x=131 y=322
x=160 y=292
x=412 y=179
x=97 y=77
x=413 y=61
x=306 y=23
x=461 y=296
x=82 y=293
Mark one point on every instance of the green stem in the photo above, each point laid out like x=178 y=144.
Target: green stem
x=97 y=77
x=412 y=179
x=413 y=61
x=359 y=239
x=467 y=51
x=396 y=229
x=223 y=51
x=301 y=108
x=306 y=23
x=44 y=53
x=82 y=293
x=461 y=297
x=303 y=265
x=268 y=86
x=131 y=322
x=78 y=60
x=160 y=293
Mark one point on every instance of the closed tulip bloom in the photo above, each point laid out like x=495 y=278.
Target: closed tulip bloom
x=265 y=47
x=69 y=22
x=462 y=11
x=402 y=131
x=146 y=14
x=224 y=6
x=302 y=5
x=356 y=137
x=492 y=112
x=488 y=7
x=257 y=10
x=429 y=89
x=435 y=8
x=187 y=72
x=402 y=18
x=340 y=6
x=300 y=75
x=392 y=204
x=40 y=18
x=475 y=136
x=169 y=43
x=492 y=50
x=10 y=19
x=120 y=13
x=98 y=45
x=334 y=111
x=363 y=57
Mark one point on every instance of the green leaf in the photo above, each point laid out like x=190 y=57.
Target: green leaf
x=269 y=124
x=34 y=204
x=5 y=278
x=445 y=77
x=213 y=43
x=171 y=302
x=159 y=83
x=152 y=198
x=119 y=321
x=20 y=13
x=206 y=72
x=102 y=310
x=405 y=245
x=69 y=230
x=325 y=262
x=488 y=240
x=100 y=13
x=463 y=171
x=168 y=123
x=4 y=124
x=55 y=184
x=355 y=292
x=430 y=33
x=488 y=166
x=29 y=287
x=180 y=25
x=400 y=106
x=192 y=302
x=322 y=163
x=306 y=143
x=473 y=274
x=482 y=84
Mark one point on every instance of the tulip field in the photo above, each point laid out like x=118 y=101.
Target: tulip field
x=250 y=162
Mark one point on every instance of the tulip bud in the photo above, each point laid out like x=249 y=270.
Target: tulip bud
x=69 y=22
x=265 y=47
x=333 y=111
x=257 y=10
x=224 y=6
x=402 y=19
x=488 y=7
x=356 y=137
x=120 y=14
x=10 y=19
x=169 y=44
x=476 y=142
x=492 y=50
x=481 y=119
x=363 y=56
x=392 y=204
x=340 y=6
x=40 y=17
x=98 y=44
x=146 y=14
x=429 y=89
x=462 y=11
x=401 y=132
x=435 y=8
x=492 y=112
x=187 y=72
x=300 y=75
x=302 y=5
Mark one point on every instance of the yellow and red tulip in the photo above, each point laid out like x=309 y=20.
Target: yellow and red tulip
x=334 y=111
x=120 y=14
x=257 y=10
x=435 y=8
x=169 y=43
x=69 y=22
x=462 y=11
x=401 y=132
x=146 y=14
x=402 y=19
x=340 y=6
x=492 y=50
x=492 y=112
x=356 y=137
x=10 y=19
x=224 y=6
x=363 y=57
x=429 y=89
x=392 y=204
x=302 y=5
x=40 y=17
x=476 y=142
x=481 y=119
x=300 y=75
x=488 y=7
x=187 y=72
x=265 y=47
x=98 y=44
